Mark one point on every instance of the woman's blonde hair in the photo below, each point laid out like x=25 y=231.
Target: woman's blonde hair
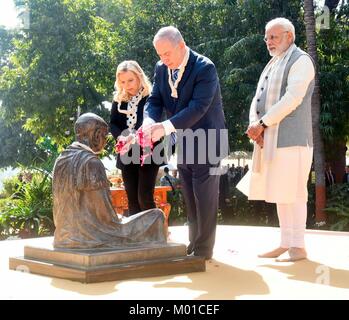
x=130 y=65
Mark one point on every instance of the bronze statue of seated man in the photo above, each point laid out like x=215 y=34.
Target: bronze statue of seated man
x=82 y=209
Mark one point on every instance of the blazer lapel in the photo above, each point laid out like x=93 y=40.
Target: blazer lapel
x=187 y=70
x=185 y=77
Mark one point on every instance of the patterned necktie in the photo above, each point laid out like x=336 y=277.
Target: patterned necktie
x=175 y=75
x=173 y=137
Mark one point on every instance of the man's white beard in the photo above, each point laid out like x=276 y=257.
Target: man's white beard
x=280 y=51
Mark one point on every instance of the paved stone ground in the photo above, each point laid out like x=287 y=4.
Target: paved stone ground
x=235 y=272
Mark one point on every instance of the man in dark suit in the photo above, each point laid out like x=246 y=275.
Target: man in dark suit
x=186 y=86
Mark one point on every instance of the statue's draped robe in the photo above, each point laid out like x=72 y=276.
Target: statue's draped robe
x=82 y=209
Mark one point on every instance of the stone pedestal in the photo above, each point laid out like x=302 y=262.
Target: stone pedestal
x=97 y=265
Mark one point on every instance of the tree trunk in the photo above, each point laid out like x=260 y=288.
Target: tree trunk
x=319 y=155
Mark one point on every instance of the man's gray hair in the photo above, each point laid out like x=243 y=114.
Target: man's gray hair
x=286 y=24
x=169 y=33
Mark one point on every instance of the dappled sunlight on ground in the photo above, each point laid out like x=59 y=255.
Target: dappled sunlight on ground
x=235 y=272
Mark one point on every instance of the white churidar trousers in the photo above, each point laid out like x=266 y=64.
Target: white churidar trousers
x=292 y=220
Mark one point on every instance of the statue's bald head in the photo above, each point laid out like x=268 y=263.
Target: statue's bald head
x=91 y=130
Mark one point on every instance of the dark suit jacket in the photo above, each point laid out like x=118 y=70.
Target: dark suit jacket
x=118 y=125
x=199 y=103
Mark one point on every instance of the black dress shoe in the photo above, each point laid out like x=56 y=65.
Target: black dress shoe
x=206 y=256
x=190 y=249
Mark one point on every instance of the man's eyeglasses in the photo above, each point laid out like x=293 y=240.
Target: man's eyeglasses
x=273 y=38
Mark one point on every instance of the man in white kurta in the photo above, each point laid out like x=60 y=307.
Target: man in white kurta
x=280 y=125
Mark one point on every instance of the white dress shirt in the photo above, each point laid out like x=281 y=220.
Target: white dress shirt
x=167 y=124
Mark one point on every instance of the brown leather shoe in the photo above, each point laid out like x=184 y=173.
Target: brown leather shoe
x=274 y=253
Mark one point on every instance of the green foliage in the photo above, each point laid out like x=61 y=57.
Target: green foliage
x=333 y=44
x=67 y=59
x=64 y=61
x=29 y=211
x=6 y=46
x=240 y=210
x=245 y=212
x=338 y=207
x=243 y=57
x=178 y=214
x=18 y=146
x=10 y=186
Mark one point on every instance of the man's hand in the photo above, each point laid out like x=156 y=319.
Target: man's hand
x=127 y=139
x=146 y=129
x=126 y=142
x=260 y=140
x=157 y=132
x=254 y=130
